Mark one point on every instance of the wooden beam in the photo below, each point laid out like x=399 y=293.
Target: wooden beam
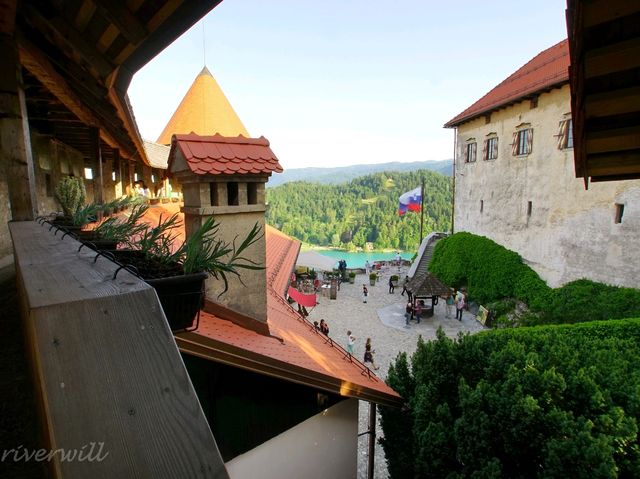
x=614 y=102
x=96 y=166
x=7 y=16
x=623 y=163
x=65 y=36
x=16 y=158
x=38 y=64
x=608 y=141
x=597 y=12
x=119 y=15
x=613 y=58
x=107 y=367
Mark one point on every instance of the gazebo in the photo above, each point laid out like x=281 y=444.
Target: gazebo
x=426 y=286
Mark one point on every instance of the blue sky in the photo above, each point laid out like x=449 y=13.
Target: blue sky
x=337 y=83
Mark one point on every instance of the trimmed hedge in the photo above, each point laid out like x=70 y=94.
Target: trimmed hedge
x=549 y=401
x=492 y=273
x=489 y=271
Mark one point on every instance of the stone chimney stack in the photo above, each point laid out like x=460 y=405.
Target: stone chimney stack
x=225 y=177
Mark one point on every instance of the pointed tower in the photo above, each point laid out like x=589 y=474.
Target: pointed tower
x=225 y=177
x=204 y=110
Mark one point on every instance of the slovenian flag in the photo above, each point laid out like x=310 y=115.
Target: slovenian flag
x=410 y=201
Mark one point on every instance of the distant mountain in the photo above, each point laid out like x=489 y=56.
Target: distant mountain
x=343 y=174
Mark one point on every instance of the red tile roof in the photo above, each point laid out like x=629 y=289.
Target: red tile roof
x=547 y=69
x=295 y=350
x=221 y=155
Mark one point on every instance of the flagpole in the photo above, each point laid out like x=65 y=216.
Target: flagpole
x=421 y=210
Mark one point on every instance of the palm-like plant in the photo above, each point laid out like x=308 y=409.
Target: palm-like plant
x=204 y=251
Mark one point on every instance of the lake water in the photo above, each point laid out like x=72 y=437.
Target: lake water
x=357 y=260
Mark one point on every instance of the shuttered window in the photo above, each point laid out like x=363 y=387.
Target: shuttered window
x=522 y=142
x=565 y=134
x=471 y=152
x=490 y=149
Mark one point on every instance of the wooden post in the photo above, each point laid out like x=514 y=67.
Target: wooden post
x=16 y=157
x=96 y=164
x=372 y=440
x=117 y=166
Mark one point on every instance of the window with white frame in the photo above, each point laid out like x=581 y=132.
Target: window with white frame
x=490 y=148
x=565 y=134
x=471 y=149
x=522 y=142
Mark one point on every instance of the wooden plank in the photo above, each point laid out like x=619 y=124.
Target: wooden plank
x=614 y=164
x=127 y=24
x=615 y=102
x=597 y=12
x=607 y=141
x=612 y=58
x=112 y=381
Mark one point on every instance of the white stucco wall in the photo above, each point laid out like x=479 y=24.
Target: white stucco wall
x=324 y=446
x=571 y=232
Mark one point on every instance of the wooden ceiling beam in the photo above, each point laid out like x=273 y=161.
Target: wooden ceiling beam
x=615 y=102
x=613 y=58
x=36 y=62
x=66 y=37
x=598 y=12
x=119 y=15
x=607 y=141
x=614 y=164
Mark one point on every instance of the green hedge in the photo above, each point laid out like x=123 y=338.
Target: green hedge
x=550 y=401
x=492 y=273
x=489 y=271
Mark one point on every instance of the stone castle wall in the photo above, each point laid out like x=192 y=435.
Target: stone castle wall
x=570 y=232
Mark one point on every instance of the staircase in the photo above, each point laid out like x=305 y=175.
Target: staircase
x=423 y=260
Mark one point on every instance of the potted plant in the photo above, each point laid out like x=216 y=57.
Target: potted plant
x=394 y=280
x=372 y=279
x=70 y=193
x=115 y=230
x=352 y=277
x=178 y=273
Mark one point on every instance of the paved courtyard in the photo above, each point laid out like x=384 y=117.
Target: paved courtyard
x=382 y=320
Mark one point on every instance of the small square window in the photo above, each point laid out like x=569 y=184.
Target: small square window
x=529 y=208
x=470 y=153
x=252 y=193
x=619 y=213
x=232 y=194
x=481 y=206
x=88 y=173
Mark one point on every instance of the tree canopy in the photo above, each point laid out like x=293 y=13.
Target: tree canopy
x=363 y=210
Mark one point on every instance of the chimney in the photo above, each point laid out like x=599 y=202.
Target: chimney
x=225 y=177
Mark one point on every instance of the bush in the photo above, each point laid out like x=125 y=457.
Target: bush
x=373 y=276
x=352 y=274
x=549 y=401
x=492 y=274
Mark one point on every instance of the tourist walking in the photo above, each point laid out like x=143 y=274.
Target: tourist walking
x=448 y=301
x=351 y=340
x=324 y=327
x=368 y=354
x=391 y=285
x=418 y=310
x=408 y=312
x=459 y=304
x=365 y=293
x=405 y=281
x=367 y=267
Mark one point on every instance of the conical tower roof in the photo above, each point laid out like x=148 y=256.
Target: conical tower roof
x=204 y=110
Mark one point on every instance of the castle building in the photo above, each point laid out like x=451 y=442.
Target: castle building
x=515 y=181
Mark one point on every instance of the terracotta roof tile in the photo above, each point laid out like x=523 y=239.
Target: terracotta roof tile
x=303 y=349
x=548 y=68
x=224 y=155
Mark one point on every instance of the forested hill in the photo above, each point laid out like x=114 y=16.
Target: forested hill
x=343 y=174
x=363 y=210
